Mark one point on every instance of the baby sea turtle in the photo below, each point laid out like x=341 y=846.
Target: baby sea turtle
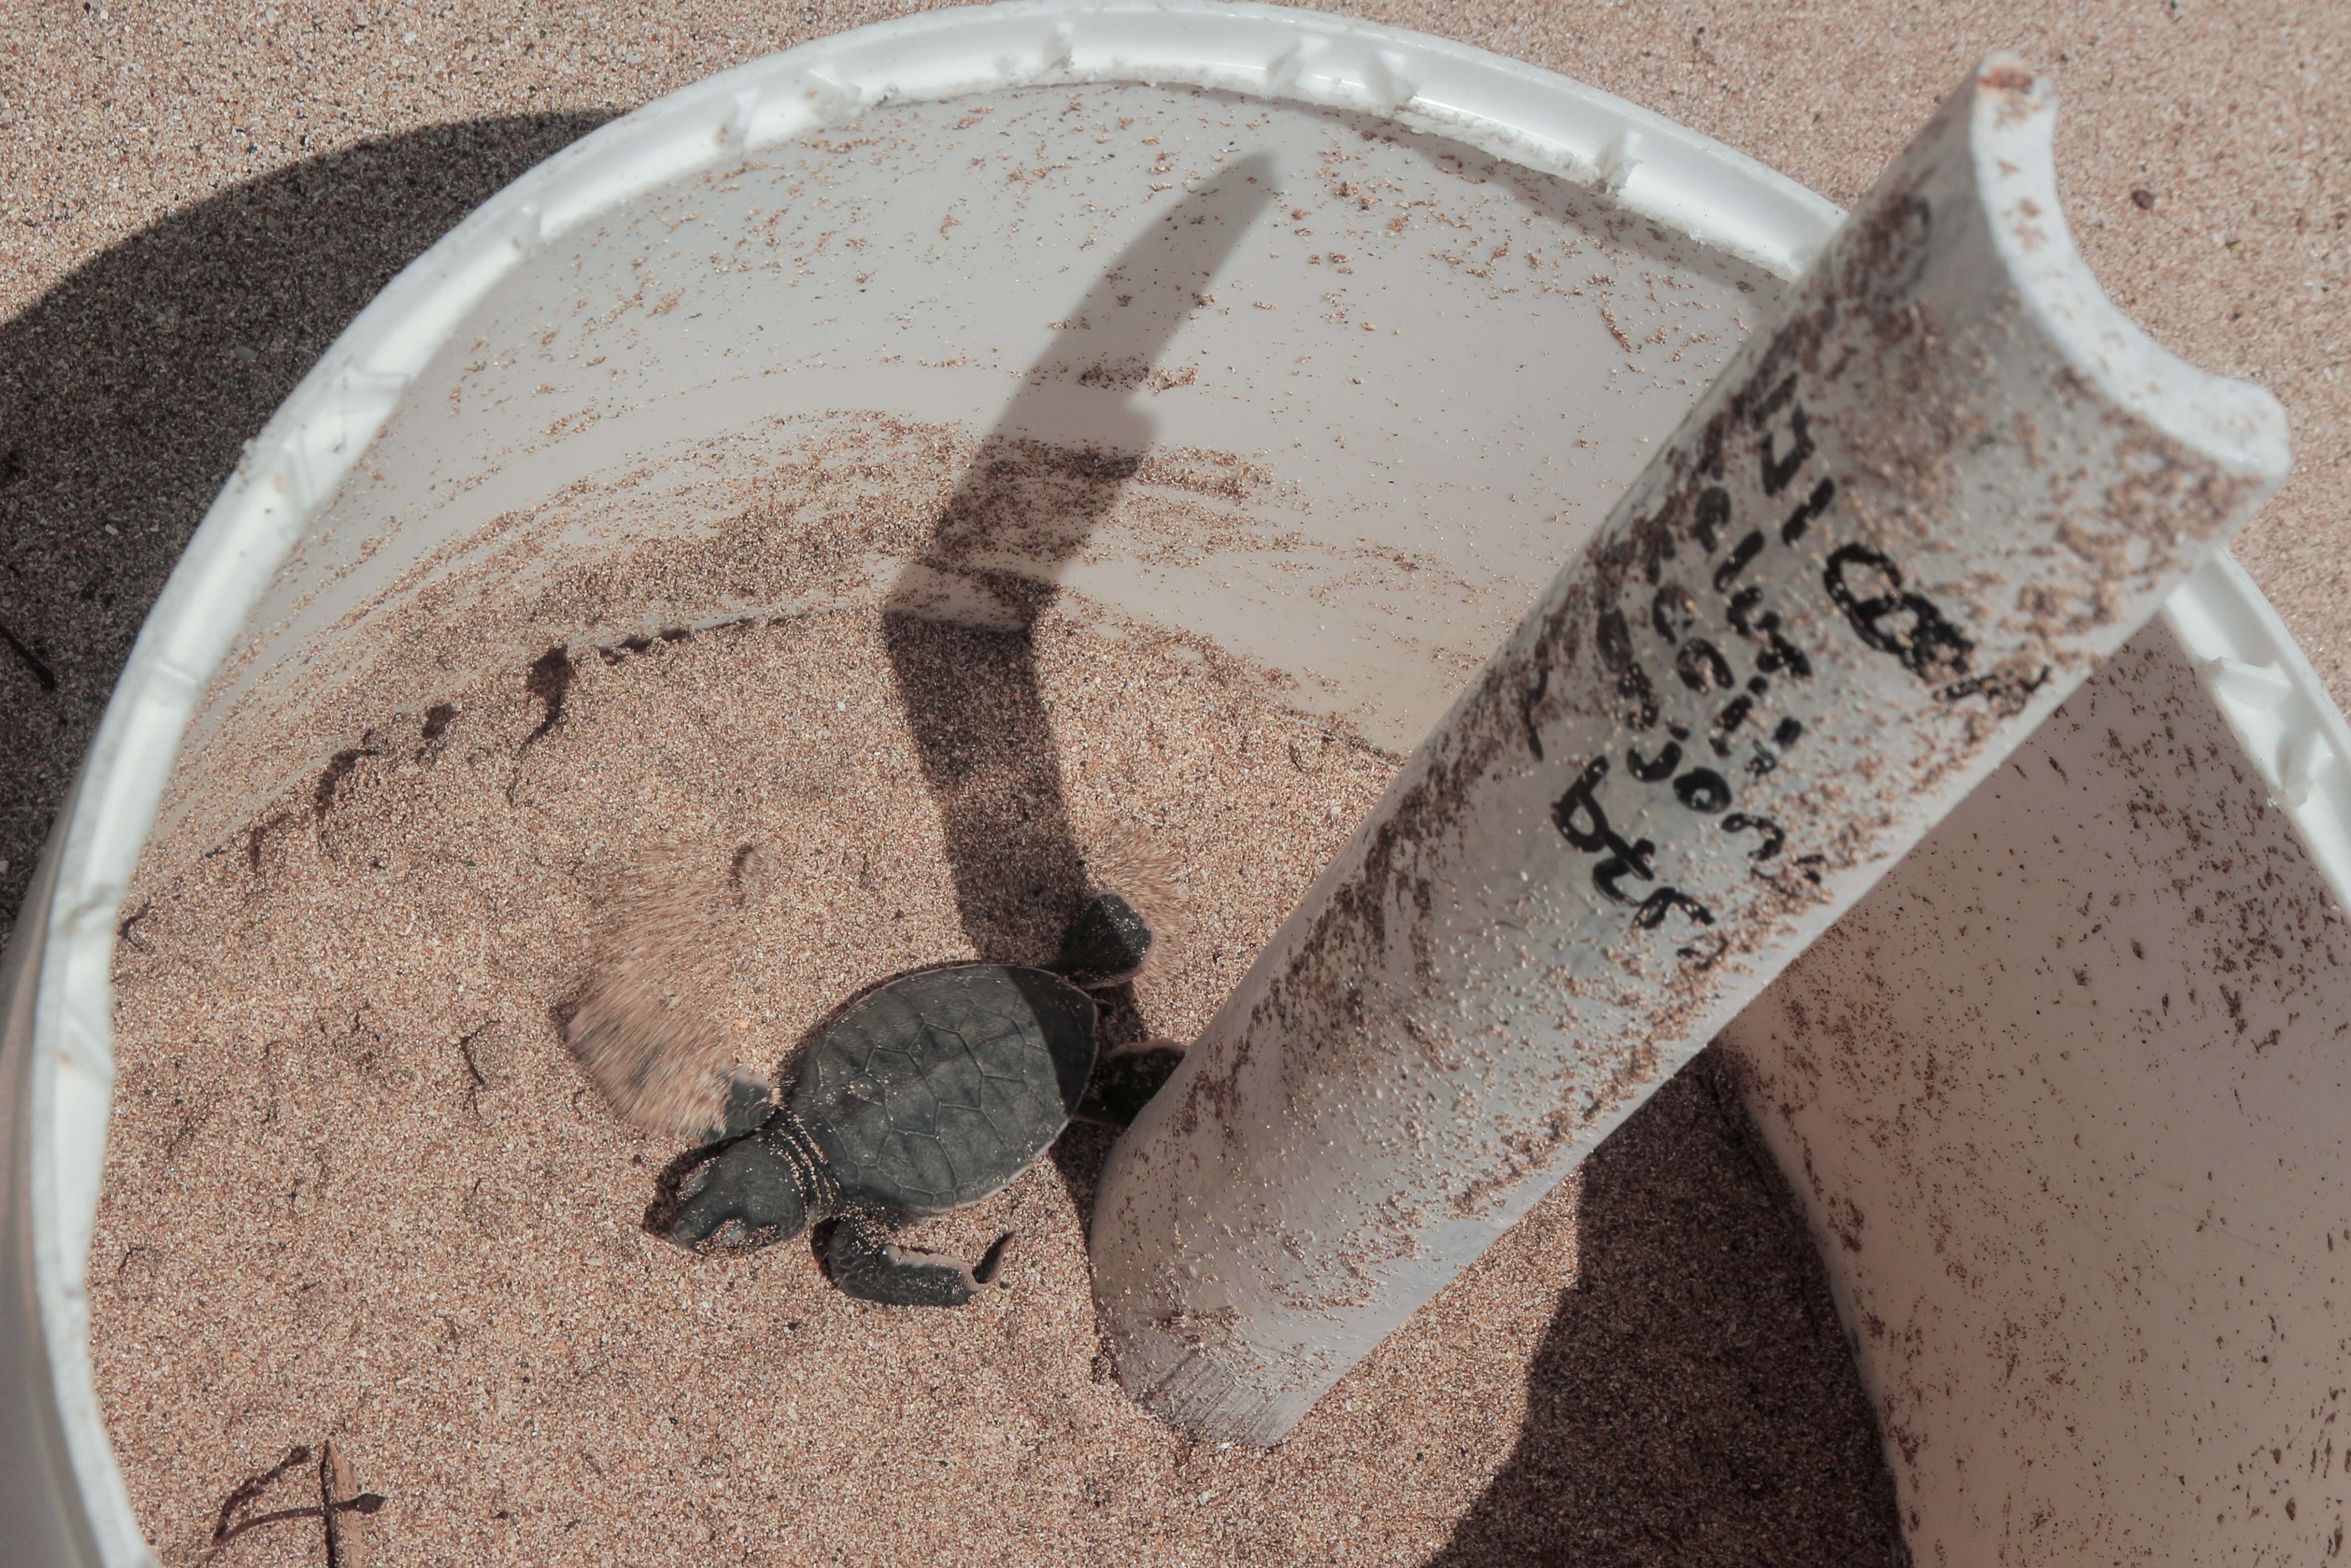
x=924 y=1095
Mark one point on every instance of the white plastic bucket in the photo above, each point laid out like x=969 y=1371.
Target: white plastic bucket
x=1415 y=425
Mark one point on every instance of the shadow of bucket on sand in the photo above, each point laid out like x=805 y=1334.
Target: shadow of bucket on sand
x=128 y=388
x=1043 y=480
x=1693 y=1400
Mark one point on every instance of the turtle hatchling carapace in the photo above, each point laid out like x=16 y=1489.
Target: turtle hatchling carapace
x=924 y=1095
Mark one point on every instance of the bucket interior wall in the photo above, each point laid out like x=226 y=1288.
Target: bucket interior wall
x=1379 y=384
x=2065 y=1094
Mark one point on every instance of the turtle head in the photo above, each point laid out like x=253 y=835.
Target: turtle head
x=744 y=1195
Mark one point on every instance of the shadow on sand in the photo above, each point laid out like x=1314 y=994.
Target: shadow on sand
x=1693 y=1401
x=128 y=391
x=1026 y=507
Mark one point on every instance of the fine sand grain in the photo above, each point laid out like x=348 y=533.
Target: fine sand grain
x=358 y=1189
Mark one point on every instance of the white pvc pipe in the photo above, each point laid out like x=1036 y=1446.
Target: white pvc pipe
x=1922 y=504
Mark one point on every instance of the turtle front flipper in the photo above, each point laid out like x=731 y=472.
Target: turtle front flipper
x=746 y=1195
x=864 y=1263
x=1125 y=1081
x=749 y=1105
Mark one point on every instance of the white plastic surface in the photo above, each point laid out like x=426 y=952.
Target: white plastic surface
x=2065 y=1094
x=415 y=331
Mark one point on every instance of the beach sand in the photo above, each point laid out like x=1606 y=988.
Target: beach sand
x=356 y=1187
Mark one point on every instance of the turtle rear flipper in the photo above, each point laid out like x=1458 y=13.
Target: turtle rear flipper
x=864 y=1263
x=1106 y=945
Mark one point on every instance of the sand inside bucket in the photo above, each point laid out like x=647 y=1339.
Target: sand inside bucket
x=357 y=1187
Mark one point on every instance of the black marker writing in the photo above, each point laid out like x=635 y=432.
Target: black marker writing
x=1865 y=586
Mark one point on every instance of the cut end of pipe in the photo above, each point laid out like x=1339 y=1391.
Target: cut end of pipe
x=1206 y=1399
x=2233 y=423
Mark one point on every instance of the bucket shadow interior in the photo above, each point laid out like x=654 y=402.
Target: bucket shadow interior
x=1693 y=1400
x=960 y=622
